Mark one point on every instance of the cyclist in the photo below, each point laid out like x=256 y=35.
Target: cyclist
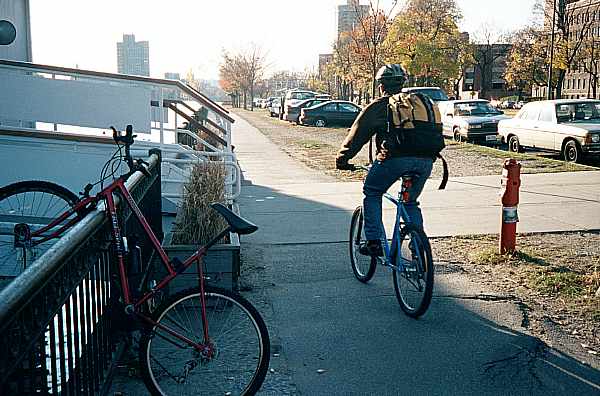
x=390 y=163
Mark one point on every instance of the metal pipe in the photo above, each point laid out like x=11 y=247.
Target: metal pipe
x=550 y=66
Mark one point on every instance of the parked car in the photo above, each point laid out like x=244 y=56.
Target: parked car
x=568 y=126
x=293 y=112
x=293 y=97
x=435 y=93
x=267 y=102
x=471 y=120
x=275 y=107
x=334 y=112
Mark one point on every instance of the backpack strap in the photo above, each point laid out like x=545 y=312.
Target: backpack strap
x=445 y=175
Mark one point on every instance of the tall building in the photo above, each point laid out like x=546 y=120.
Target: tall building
x=348 y=15
x=133 y=57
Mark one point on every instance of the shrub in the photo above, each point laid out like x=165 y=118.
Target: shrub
x=196 y=222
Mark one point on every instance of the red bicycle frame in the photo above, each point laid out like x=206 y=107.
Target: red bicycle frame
x=132 y=307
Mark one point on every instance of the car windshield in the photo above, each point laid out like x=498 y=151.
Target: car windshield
x=301 y=95
x=437 y=95
x=474 y=108
x=578 y=112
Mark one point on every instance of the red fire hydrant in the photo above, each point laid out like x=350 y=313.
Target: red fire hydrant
x=511 y=181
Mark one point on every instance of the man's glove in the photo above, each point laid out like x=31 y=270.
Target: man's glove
x=343 y=165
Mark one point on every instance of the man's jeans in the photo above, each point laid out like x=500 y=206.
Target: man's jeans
x=380 y=178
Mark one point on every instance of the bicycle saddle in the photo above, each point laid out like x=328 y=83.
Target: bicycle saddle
x=409 y=175
x=237 y=224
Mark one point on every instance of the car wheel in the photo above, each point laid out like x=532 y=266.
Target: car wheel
x=457 y=136
x=571 y=151
x=513 y=144
x=320 y=122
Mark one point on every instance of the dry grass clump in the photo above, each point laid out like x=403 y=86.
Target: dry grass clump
x=196 y=222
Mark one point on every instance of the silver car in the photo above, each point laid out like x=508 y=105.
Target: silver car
x=471 y=120
x=569 y=126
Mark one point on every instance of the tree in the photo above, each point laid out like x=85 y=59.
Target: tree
x=527 y=61
x=486 y=51
x=240 y=72
x=425 y=38
x=572 y=27
x=366 y=40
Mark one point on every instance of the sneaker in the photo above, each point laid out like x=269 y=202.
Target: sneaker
x=371 y=248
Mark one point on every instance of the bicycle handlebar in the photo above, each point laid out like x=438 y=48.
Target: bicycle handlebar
x=127 y=140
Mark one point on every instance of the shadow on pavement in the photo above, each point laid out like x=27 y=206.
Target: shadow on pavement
x=339 y=336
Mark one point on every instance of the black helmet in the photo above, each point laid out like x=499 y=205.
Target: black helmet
x=391 y=75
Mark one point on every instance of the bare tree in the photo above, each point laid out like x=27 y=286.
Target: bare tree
x=572 y=25
x=486 y=51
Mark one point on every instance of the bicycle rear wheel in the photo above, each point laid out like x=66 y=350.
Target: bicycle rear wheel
x=239 y=335
x=36 y=204
x=362 y=266
x=413 y=280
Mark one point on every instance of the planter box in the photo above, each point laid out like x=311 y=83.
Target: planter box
x=222 y=264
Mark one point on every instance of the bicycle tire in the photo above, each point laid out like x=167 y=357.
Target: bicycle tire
x=362 y=266
x=416 y=272
x=32 y=202
x=158 y=353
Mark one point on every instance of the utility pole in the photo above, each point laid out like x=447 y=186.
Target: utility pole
x=550 y=89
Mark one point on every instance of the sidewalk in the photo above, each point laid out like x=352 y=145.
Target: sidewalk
x=276 y=186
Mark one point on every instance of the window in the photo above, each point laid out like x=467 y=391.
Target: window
x=584 y=84
x=348 y=108
x=579 y=83
x=574 y=112
x=568 y=84
x=546 y=114
x=330 y=107
x=532 y=113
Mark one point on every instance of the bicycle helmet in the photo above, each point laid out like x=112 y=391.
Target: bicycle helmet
x=391 y=75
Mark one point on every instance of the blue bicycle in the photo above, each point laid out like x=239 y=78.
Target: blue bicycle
x=408 y=255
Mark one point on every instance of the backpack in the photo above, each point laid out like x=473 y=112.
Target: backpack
x=414 y=128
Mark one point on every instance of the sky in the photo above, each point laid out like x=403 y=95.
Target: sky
x=191 y=34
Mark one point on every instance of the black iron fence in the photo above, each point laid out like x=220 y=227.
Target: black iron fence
x=58 y=329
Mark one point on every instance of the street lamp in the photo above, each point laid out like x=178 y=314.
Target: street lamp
x=550 y=90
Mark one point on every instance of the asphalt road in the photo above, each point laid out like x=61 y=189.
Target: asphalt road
x=334 y=335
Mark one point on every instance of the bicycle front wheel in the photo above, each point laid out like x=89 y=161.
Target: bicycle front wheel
x=413 y=279
x=362 y=266
x=238 y=336
x=35 y=204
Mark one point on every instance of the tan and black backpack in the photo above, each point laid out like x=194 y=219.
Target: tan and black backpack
x=414 y=128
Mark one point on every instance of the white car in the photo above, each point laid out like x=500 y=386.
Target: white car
x=568 y=126
x=471 y=120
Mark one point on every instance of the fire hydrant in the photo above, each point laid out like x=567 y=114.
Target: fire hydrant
x=511 y=181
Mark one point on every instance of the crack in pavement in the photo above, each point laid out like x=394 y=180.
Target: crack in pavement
x=481 y=297
x=523 y=361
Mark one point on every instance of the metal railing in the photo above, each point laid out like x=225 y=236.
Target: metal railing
x=59 y=329
x=97 y=99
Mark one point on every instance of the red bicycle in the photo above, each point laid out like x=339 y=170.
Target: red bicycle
x=203 y=340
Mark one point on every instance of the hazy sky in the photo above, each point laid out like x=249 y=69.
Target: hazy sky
x=190 y=34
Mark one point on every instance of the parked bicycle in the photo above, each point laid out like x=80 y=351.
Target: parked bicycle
x=203 y=340
x=408 y=254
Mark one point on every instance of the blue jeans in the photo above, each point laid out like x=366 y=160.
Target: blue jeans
x=380 y=178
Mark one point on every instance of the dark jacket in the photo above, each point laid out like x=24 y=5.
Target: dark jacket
x=371 y=120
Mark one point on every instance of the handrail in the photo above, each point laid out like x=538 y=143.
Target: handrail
x=191 y=120
x=190 y=108
x=185 y=88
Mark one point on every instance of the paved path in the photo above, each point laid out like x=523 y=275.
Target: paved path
x=334 y=335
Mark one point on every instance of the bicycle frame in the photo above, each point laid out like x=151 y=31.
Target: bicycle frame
x=133 y=307
x=402 y=217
